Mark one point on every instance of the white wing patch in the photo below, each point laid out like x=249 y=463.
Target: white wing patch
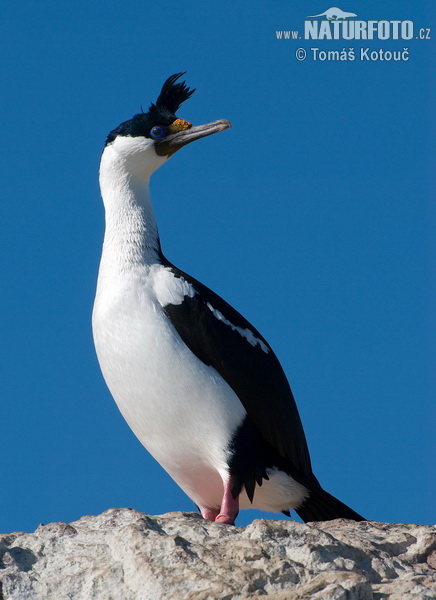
x=170 y=289
x=246 y=333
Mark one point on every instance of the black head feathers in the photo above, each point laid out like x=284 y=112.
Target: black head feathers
x=162 y=113
x=173 y=94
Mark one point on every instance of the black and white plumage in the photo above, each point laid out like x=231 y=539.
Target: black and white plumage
x=197 y=383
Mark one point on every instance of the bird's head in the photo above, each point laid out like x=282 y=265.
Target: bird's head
x=147 y=140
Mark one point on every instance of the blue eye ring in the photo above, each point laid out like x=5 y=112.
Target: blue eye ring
x=157 y=132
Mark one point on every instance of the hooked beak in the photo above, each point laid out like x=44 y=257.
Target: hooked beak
x=173 y=142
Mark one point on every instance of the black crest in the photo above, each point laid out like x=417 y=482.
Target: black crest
x=173 y=94
x=162 y=113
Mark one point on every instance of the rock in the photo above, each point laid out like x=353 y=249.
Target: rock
x=126 y=555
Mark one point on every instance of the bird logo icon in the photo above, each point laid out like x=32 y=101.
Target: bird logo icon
x=334 y=14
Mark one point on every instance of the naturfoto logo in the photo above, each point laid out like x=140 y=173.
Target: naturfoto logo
x=335 y=26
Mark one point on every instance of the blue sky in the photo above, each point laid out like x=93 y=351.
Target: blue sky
x=313 y=216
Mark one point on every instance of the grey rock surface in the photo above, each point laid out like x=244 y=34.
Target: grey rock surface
x=126 y=555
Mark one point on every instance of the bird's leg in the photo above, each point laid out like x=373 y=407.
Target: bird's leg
x=229 y=506
x=209 y=514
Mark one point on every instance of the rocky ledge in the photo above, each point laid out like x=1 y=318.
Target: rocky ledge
x=126 y=555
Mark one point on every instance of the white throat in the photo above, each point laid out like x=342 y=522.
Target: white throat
x=131 y=235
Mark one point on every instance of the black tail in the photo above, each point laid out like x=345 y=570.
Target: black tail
x=322 y=506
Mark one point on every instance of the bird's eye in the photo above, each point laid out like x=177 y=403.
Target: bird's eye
x=157 y=132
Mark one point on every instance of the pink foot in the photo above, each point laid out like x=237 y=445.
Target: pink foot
x=229 y=506
x=210 y=514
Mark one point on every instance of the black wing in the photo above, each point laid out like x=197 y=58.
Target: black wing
x=250 y=367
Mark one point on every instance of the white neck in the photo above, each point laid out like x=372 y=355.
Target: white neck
x=131 y=237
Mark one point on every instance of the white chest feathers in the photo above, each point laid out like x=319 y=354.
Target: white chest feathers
x=180 y=409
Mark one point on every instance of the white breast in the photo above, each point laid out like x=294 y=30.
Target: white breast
x=180 y=409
